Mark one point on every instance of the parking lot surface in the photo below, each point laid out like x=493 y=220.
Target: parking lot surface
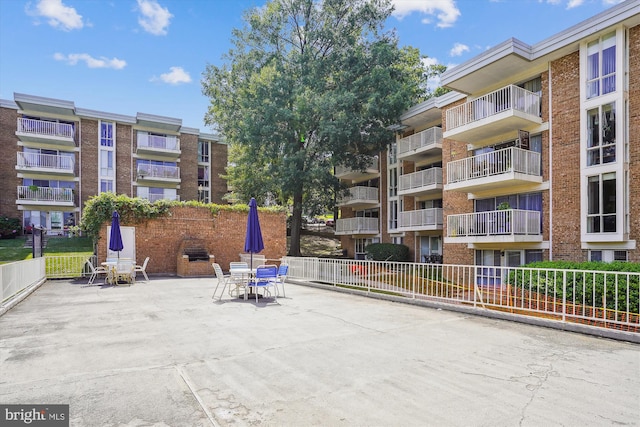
x=164 y=354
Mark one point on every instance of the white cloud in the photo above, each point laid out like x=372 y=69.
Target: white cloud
x=445 y=10
x=155 y=18
x=102 y=62
x=59 y=16
x=574 y=3
x=175 y=76
x=458 y=49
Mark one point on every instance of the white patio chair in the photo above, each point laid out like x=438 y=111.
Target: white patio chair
x=222 y=280
x=124 y=272
x=239 y=276
x=142 y=269
x=95 y=272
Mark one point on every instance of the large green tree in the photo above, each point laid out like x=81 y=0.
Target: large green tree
x=309 y=85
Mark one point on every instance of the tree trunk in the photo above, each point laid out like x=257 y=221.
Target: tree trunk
x=296 y=223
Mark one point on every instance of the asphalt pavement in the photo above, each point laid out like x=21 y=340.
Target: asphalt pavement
x=164 y=354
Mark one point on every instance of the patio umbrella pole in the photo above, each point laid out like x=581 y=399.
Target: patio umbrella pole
x=253 y=240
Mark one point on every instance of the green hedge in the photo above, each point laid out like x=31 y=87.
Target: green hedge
x=589 y=288
x=387 y=252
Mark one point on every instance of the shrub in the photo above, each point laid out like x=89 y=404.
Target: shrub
x=9 y=227
x=587 y=285
x=387 y=252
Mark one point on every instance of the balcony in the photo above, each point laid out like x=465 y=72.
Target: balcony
x=348 y=174
x=45 y=163
x=158 y=145
x=45 y=132
x=158 y=173
x=355 y=226
x=420 y=220
x=503 y=226
x=421 y=145
x=360 y=198
x=506 y=167
x=155 y=197
x=31 y=195
x=504 y=110
x=421 y=183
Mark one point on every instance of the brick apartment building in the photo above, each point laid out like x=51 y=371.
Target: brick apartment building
x=533 y=155
x=57 y=156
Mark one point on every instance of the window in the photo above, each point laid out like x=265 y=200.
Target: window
x=601 y=135
x=601 y=213
x=393 y=215
x=106 y=155
x=393 y=182
x=203 y=151
x=608 y=255
x=106 y=134
x=601 y=66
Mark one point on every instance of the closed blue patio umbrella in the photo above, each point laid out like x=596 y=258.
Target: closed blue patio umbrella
x=253 y=240
x=115 y=238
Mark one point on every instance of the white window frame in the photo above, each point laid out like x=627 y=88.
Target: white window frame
x=102 y=152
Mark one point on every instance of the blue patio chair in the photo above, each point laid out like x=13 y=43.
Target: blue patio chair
x=265 y=278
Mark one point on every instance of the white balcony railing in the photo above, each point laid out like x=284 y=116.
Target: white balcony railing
x=421 y=218
x=44 y=194
x=155 y=197
x=360 y=193
x=510 y=159
x=420 y=179
x=371 y=167
x=494 y=223
x=45 y=128
x=51 y=162
x=507 y=98
x=421 y=140
x=170 y=143
x=357 y=225
x=158 y=172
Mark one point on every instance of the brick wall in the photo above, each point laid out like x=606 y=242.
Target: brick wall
x=8 y=180
x=89 y=159
x=124 y=159
x=188 y=167
x=224 y=236
x=565 y=104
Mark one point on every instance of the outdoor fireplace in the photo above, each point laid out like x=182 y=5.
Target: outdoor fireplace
x=194 y=259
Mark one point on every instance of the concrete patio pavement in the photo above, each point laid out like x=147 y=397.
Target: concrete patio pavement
x=163 y=354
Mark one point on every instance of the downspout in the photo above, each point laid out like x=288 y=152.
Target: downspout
x=550 y=165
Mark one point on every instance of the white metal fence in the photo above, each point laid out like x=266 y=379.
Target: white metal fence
x=606 y=299
x=68 y=266
x=19 y=275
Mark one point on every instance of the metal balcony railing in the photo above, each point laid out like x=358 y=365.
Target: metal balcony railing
x=424 y=139
x=170 y=143
x=494 y=223
x=507 y=98
x=155 y=197
x=498 y=162
x=423 y=178
x=357 y=225
x=360 y=193
x=45 y=128
x=372 y=165
x=45 y=194
x=46 y=161
x=431 y=217
x=158 y=172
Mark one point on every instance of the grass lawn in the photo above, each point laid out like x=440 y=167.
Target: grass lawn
x=14 y=250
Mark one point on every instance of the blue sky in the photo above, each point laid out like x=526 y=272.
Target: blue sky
x=130 y=56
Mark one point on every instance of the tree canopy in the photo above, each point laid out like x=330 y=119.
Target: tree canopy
x=307 y=86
